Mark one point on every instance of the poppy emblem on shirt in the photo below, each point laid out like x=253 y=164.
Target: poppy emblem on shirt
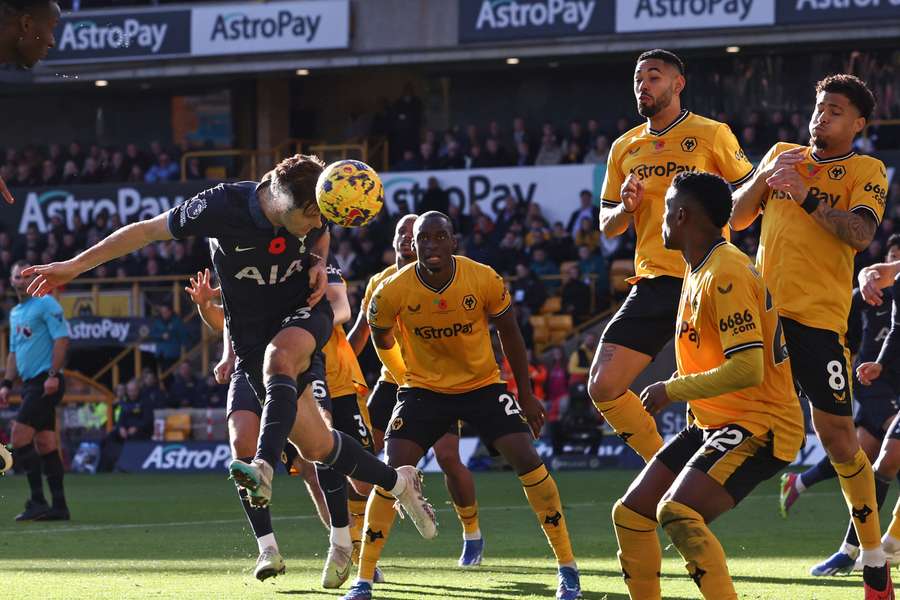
x=277 y=245
x=812 y=170
x=659 y=145
x=441 y=304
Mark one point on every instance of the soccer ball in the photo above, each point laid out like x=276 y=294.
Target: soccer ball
x=6 y=459
x=349 y=193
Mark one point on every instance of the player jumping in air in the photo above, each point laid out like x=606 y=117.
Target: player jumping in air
x=745 y=421
x=430 y=324
x=821 y=205
x=457 y=477
x=269 y=261
x=642 y=163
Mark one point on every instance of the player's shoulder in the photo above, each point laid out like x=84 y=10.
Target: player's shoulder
x=465 y=264
x=726 y=261
x=621 y=142
x=382 y=275
x=399 y=277
x=49 y=303
x=867 y=164
x=707 y=124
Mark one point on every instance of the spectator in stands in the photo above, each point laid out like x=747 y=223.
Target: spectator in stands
x=194 y=172
x=169 y=333
x=164 y=170
x=136 y=175
x=523 y=155
x=214 y=394
x=117 y=169
x=134 y=157
x=586 y=210
x=434 y=198
x=528 y=289
x=406 y=119
x=494 y=154
x=475 y=158
x=186 y=389
x=49 y=173
x=751 y=143
x=519 y=132
x=560 y=244
x=134 y=422
x=76 y=154
x=471 y=139
x=537 y=373
x=576 y=295
x=599 y=152
x=151 y=393
x=55 y=154
x=462 y=223
x=428 y=161
x=550 y=152
x=587 y=235
x=576 y=136
x=25 y=176
x=70 y=173
x=480 y=221
x=581 y=357
x=409 y=162
x=593 y=131
x=479 y=250
x=510 y=213
x=537 y=235
x=592 y=265
x=557 y=395
x=454 y=158
x=91 y=173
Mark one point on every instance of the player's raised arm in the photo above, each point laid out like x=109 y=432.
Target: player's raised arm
x=318 y=276
x=382 y=316
x=202 y=293
x=747 y=200
x=119 y=243
x=359 y=333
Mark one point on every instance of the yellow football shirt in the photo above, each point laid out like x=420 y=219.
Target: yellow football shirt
x=374 y=281
x=443 y=334
x=725 y=308
x=342 y=371
x=690 y=143
x=809 y=270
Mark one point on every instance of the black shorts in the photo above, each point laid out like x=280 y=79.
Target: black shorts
x=315 y=373
x=876 y=405
x=732 y=456
x=381 y=404
x=893 y=430
x=241 y=395
x=820 y=363
x=646 y=320
x=345 y=417
x=423 y=416
x=37 y=410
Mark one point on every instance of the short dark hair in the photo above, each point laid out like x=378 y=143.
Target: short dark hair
x=666 y=56
x=854 y=88
x=298 y=175
x=893 y=240
x=709 y=191
x=436 y=214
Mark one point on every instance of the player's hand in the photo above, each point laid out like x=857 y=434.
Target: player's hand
x=318 y=282
x=787 y=179
x=4 y=397
x=632 y=193
x=655 y=398
x=4 y=191
x=534 y=413
x=868 y=372
x=871 y=281
x=48 y=277
x=790 y=158
x=201 y=290
x=224 y=369
x=51 y=385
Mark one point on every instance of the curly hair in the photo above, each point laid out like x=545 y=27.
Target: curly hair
x=854 y=88
x=295 y=178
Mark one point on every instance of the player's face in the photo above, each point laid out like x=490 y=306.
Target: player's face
x=672 y=220
x=403 y=238
x=19 y=283
x=655 y=84
x=300 y=222
x=893 y=254
x=434 y=244
x=36 y=36
x=835 y=121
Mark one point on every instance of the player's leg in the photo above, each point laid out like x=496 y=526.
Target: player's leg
x=728 y=466
x=47 y=446
x=634 y=515
x=381 y=404
x=820 y=364
x=420 y=418
x=461 y=487
x=496 y=416
x=637 y=333
x=25 y=456
x=887 y=467
x=307 y=471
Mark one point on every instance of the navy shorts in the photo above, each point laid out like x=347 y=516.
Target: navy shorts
x=37 y=410
x=876 y=405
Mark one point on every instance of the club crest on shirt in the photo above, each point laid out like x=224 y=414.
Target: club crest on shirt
x=469 y=302
x=837 y=172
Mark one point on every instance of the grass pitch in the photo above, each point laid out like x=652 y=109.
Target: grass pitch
x=184 y=536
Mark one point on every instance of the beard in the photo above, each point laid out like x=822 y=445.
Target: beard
x=650 y=110
x=818 y=143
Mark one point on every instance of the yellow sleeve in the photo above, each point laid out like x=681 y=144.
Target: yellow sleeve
x=764 y=163
x=734 y=298
x=731 y=162
x=383 y=306
x=612 y=182
x=744 y=369
x=495 y=295
x=370 y=290
x=870 y=190
x=392 y=359
x=574 y=369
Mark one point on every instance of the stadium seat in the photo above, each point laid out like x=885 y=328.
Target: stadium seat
x=551 y=305
x=619 y=271
x=178 y=427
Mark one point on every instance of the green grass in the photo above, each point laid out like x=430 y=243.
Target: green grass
x=183 y=536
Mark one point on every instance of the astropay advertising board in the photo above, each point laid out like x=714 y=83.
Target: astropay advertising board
x=271 y=27
x=660 y=15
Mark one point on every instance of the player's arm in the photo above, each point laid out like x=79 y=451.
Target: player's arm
x=854 y=322
x=318 y=276
x=340 y=304
x=616 y=211
x=119 y=243
x=514 y=348
x=574 y=367
x=889 y=356
x=746 y=202
x=203 y=294
x=875 y=278
x=856 y=229
x=382 y=314
x=359 y=334
x=8 y=378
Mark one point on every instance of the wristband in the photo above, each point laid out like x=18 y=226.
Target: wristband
x=810 y=203
x=7 y=383
x=52 y=373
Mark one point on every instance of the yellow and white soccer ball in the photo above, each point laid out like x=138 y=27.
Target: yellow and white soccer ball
x=6 y=459
x=349 y=193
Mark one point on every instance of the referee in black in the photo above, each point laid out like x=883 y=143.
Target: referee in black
x=38 y=340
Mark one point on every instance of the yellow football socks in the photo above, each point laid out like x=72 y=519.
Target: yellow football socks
x=858 y=484
x=540 y=489
x=380 y=515
x=640 y=555
x=357 y=509
x=468 y=516
x=632 y=423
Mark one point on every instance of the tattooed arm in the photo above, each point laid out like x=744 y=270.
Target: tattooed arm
x=855 y=229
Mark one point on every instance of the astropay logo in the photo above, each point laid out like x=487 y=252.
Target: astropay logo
x=513 y=14
x=239 y=26
x=86 y=34
x=177 y=457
